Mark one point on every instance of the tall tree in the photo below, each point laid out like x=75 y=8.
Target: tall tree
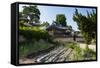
x=61 y=19
x=32 y=12
x=86 y=24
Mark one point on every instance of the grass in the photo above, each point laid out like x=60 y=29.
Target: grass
x=89 y=54
x=36 y=40
x=79 y=53
x=31 y=47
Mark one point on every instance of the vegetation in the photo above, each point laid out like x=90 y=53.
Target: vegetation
x=27 y=48
x=89 y=54
x=38 y=39
x=86 y=24
x=79 y=53
x=61 y=19
x=45 y=24
x=30 y=12
x=33 y=33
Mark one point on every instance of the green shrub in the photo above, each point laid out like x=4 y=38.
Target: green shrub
x=79 y=53
x=33 y=33
x=89 y=54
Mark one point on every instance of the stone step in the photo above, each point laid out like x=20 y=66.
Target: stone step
x=47 y=56
x=55 y=56
x=63 y=57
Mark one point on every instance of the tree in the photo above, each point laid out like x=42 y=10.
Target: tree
x=61 y=19
x=45 y=24
x=86 y=24
x=92 y=18
x=32 y=12
x=20 y=15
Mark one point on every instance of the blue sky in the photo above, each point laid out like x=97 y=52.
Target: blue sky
x=48 y=13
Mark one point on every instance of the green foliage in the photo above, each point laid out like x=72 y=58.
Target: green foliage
x=86 y=24
x=79 y=53
x=88 y=37
x=20 y=15
x=21 y=23
x=45 y=24
x=31 y=47
x=61 y=19
x=33 y=13
x=89 y=54
x=33 y=33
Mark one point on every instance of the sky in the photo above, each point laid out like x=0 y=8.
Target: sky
x=48 y=13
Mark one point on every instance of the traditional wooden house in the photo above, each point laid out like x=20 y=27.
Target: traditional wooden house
x=59 y=31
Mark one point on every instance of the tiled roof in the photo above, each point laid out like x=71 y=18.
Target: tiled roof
x=56 y=27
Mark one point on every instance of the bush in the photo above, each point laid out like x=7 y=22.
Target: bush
x=79 y=53
x=89 y=54
x=33 y=33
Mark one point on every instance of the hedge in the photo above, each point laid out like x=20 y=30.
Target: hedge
x=33 y=33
